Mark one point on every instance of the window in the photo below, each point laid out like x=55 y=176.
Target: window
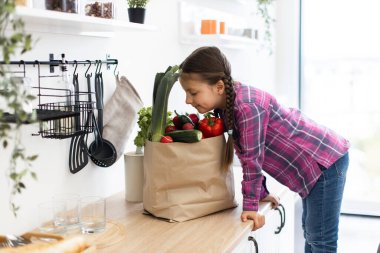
x=340 y=87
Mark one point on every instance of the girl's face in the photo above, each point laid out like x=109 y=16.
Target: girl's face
x=203 y=96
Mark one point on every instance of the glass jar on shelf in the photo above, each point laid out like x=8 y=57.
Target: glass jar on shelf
x=100 y=9
x=70 y=6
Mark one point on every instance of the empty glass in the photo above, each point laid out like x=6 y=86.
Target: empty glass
x=92 y=214
x=52 y=217
x=72 y=209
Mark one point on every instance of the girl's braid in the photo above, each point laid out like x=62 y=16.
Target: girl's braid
x=230 y=97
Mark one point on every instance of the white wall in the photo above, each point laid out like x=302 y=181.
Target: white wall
x=140 y=55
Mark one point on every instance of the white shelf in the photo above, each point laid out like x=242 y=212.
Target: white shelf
x=67 y=23
x=224 y=40
x=190 y=27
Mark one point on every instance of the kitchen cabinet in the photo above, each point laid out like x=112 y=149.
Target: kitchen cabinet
x=272 y=237
x=39 y=20
x=278 y=232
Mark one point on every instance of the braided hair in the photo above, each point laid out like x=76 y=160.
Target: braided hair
x=212 y=66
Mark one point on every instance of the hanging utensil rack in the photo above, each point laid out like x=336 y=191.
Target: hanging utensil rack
x=59 y=119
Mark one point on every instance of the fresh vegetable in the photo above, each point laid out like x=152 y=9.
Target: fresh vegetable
x=162 y=87
x=157 y=81
x=182 y=119
x=187 y=126
x=187 y=136
x=144 y=120
x=176 y=122
x=211 y=126
x=194 y=117
x=166 y=139
x=170 y=128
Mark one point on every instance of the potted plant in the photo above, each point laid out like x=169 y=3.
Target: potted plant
x=13 y=41
x=136 y=10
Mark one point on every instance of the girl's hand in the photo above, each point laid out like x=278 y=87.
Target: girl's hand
x=258 y=219
x=272 y=198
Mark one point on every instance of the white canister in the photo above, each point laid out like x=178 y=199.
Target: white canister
x=134 y=176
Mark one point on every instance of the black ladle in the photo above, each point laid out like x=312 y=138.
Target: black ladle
x=101 y=151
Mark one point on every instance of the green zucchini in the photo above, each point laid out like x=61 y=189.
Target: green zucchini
x=188 y=136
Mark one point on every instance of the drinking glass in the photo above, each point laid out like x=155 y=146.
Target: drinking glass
x=72 y=209
x=52 y=217
x=92 y=214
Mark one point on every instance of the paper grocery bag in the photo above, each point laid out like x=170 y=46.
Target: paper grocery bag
x=183 y=181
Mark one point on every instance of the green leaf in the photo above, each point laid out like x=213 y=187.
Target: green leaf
x=13 y=176
x=14 y=40
x=32 y=158
x=17 y=37
x=34 y=175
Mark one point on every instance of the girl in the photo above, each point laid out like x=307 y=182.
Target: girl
x=308 y=158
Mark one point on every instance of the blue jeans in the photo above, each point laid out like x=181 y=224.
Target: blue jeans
x=321 y=208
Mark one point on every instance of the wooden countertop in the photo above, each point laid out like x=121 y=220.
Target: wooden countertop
x=219 y=232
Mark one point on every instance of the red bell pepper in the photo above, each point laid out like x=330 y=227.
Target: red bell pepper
x=211 y=126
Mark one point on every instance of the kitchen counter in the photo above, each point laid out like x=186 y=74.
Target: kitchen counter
x=218 y=232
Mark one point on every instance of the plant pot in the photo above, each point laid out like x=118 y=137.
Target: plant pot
x=134 y=176
x=136 y=15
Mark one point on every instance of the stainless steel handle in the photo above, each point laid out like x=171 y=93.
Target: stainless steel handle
x=251 y=238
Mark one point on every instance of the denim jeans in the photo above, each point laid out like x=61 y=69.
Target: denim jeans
x=321 y=208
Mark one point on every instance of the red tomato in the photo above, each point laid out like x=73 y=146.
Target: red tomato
x=166 y=139
x=194 y=118
x=187 y=126
x=170 y=128
x=176 y=122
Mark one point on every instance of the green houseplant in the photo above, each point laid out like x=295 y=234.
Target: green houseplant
x=136 y=10
x=13 y=41
x=263 y=7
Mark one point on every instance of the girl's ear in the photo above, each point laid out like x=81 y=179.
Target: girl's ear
x=220 y=87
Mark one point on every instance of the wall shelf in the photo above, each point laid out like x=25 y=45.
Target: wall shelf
x=46 y=21
x=223 y=40
x=190 y=27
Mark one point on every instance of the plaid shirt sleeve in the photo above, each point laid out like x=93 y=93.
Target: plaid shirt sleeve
x=250 y=122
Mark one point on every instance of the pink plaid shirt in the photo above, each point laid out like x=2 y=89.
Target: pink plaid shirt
x=280 y=141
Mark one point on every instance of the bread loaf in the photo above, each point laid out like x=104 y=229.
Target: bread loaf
x=71 y=245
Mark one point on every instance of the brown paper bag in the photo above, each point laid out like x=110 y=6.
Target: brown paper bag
x=183 y=181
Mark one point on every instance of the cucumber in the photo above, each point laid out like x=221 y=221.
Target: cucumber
x=188 y=136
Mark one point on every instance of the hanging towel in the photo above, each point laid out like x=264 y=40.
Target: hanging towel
x=120 y=114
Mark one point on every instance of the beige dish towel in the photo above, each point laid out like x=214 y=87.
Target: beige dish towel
x=120 y=114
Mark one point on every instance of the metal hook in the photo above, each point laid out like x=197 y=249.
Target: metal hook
x=85 y=74
x=75 y=69
x=97 y=66
x=100 y=66
x=114 y=71
x=23 y=63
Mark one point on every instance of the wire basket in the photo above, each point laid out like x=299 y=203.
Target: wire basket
x=59 y=120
